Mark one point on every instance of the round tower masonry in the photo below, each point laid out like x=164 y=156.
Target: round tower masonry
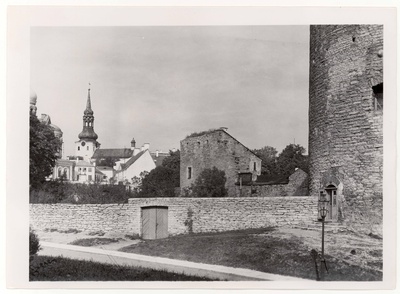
x=346 y=117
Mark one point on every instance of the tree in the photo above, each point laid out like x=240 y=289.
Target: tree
x=159 y=182
x=173 y=160
x=44 y=148
x=210 y=183
x=268 y=157
x=291 y=158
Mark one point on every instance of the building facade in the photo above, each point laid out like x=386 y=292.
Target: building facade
x=345 y=120
x=216 y=148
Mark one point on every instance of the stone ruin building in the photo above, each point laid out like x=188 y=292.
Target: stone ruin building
x=216 y=148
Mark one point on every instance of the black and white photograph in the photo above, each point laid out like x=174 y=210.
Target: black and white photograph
x=206 y=150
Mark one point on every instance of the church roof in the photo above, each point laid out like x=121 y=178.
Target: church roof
x=113 y=153
x=132 y=160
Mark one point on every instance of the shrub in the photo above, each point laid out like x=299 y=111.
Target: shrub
x=64 y=192
x=210 y=183
x=34 y=245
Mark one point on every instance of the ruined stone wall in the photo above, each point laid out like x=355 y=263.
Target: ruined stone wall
x=345 y=130
x=185 y=215
x=297 y=186
x=215 y=149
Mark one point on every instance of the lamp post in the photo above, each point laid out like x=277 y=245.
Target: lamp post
x=323 y=210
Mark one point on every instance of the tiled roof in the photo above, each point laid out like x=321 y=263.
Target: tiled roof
x=159 y=159
x=84 y=163
x=102 y=167
x=97 y=171
x=131 y=161
x=114 y=153
x=271 y=180
x=64 y=162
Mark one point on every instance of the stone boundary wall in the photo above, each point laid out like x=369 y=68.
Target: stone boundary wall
x=84 y=217
x=185 y=215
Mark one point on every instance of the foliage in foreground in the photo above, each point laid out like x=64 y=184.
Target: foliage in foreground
x=46 y=268
x=65 y=192
x=34 y=245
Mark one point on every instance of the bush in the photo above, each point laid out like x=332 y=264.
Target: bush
x=160 y=182
x=64 y=192
x=210 y=183
x=34 y=245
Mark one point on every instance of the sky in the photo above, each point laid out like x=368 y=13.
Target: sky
x=160 y=84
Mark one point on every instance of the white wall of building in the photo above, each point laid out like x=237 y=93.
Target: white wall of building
x=143 y=163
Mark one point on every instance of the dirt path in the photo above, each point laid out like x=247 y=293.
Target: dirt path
x=355 y=249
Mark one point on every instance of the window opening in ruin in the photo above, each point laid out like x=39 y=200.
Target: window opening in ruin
x=378 y=97
x=189 y=172
x=354 y=39
x=254 y=166
x=79 y=148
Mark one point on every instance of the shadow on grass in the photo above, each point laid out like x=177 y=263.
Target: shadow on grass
x=256 y=249
x=46 y=268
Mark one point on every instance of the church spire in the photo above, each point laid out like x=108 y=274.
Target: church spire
x=88 y=103
x=88 y=122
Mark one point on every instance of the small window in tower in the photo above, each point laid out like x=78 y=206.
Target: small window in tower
x=189 y=172
x=378 y=97
x=87 y=148
x=79 y=148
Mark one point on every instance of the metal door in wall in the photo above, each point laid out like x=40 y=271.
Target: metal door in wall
x=154 y=222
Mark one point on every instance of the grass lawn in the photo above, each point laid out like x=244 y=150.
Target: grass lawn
x=46 y=268
x=88 y=242
x=257 y=249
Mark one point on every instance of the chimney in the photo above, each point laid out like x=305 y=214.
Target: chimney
x=156 y=153
x=173 y=150
x=146 y=146
x=133 y=144
x=136 y=151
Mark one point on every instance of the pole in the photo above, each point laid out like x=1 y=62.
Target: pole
x=323 y=243
x=323 y=235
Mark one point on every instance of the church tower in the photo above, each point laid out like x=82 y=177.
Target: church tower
x=87 y=143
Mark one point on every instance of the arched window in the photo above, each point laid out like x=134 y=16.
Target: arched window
x=66 y=173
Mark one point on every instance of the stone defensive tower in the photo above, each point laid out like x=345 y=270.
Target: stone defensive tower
x=345 y=120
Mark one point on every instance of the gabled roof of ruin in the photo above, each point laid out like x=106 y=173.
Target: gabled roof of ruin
x=199 y=134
